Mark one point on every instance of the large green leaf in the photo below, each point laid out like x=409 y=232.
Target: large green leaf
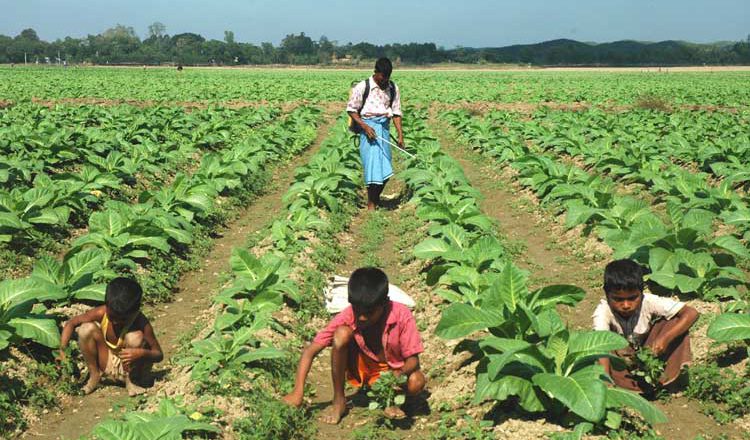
x=43 y=331
x=620 y=398
x=583 y=395
x=459 y=320
x=732 y=245
x=261 y=354
x=21 y=290
x=511 y=286
x=245 y=264
x=431 y=248
x=595 y=341
x=557 y=294
x=505 y=387
x=110 y=222
x=92 y=292
x=730 y=327
x=80 y=264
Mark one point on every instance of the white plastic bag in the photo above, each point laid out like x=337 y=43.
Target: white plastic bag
x=337 y=295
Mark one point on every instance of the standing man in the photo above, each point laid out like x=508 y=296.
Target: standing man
x=372 y=105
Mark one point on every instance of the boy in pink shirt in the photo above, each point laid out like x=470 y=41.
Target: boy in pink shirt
x=372 y=335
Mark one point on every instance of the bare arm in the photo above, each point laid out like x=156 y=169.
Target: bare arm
x=685 y=319
x=305 y=362
x=151 y=354
x=399 y=129
x=357 y=118
x=94 y=315
x=607 y=365
x=411 y=364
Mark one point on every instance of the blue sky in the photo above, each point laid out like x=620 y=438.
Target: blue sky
x=477 y=23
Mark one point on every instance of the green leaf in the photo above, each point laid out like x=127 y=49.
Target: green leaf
x=620 y=398
x=13 y=292
x=731 y=245
x=261 y=354
x=459 y=320
x=729 y=327
x=431 y=248
x=584 y=395
x=595 y=342
x=505 y=387
x=245 y=264
x=557 y=294
x=76 y=266
x=92 y=292
x=43 y=331
x=511 y=286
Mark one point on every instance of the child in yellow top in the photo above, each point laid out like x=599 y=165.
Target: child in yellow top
x=116 y=339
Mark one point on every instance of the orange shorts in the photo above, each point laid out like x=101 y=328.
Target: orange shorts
x=362 y=369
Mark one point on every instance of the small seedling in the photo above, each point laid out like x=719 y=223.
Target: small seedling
x=385 y=391
x=648 y=367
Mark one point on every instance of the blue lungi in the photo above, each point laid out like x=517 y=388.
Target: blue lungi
x=376 y=154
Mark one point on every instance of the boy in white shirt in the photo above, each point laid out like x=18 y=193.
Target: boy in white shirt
x=645 y=320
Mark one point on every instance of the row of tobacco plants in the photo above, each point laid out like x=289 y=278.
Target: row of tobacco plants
x=524 y=349
x=243 y=362
x=695 y=241
x=154 y=237
x=60 y=165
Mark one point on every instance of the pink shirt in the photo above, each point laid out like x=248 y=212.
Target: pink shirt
x=378 y=101
x=400 y=338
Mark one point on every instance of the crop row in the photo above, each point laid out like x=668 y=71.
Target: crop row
x=59 y=165
x=524 y=347
x=716 y=88
x=242 y=355
x=148 y=238
x=686 y=254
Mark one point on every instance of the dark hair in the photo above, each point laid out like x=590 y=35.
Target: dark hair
x=123 y=296
x=368 y=287
x=384 y=66
x=623 y=275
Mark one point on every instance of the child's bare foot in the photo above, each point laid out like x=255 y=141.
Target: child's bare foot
x=394 y=413
x=133 y=389
x=93 y=382
x=335 y=413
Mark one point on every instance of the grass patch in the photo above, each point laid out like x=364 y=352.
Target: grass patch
x=650 y=101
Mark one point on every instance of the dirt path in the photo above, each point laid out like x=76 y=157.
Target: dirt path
x=174 y=320
x=553 y=257
x=539 y=244
x=386 y=256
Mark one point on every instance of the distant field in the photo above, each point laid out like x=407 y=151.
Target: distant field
x=286 y=85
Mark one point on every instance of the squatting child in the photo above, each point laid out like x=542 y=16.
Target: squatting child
x=645 y=320
x=372 y=335
x=116 y=339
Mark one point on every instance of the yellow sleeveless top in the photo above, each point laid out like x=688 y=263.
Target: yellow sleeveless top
x=121 y=337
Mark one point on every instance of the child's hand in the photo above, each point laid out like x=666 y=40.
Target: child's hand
x=130 y=355
x=61 y=356
x=292 y=399
x=658 y=347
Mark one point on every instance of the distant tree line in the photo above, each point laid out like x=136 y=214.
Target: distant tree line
x=121 y=45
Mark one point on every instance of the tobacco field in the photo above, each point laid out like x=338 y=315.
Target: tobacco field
x=232 y=195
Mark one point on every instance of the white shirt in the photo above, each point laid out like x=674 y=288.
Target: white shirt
x=378 y=101
x=636 y=328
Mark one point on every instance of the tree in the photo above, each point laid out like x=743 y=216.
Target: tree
x=296 y=45
x=29 y=35
x=229 y=37
x=156 y=30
